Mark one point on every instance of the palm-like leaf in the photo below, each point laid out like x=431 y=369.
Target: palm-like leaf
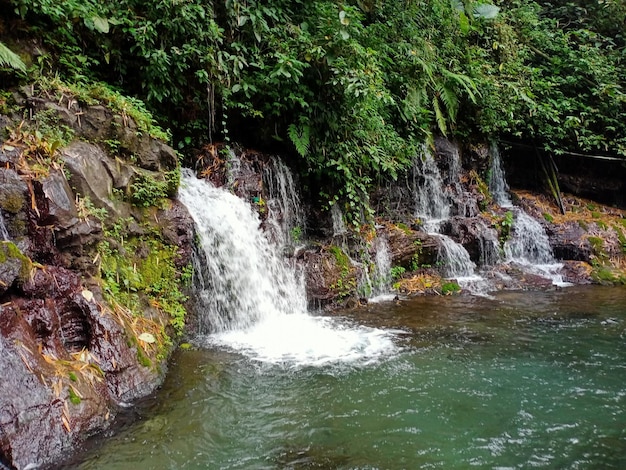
x=11 y=59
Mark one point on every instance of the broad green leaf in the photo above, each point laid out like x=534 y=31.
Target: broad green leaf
x=485 y=11
x=100 y=24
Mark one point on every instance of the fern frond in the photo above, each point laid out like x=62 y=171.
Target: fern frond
x=466 y=82
x=11 y=59
x=441 y=120
x=301 y=138
x=450 y=101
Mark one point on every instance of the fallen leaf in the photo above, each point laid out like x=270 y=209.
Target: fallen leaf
x=88 y=295
x=147 y=338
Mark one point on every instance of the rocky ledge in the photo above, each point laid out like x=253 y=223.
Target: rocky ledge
x=89 y=232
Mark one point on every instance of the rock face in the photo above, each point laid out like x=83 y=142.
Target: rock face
x=69 y=354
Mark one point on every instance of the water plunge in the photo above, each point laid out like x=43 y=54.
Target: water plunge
x=251 y=300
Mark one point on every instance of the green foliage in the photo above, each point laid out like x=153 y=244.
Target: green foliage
x=147 y=191
x=449 y=288
x=397 y=272
x=504 y=227
x=10 y=59
x=351 y=89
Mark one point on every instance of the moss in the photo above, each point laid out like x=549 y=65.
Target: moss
x=140 y=273
x=597 y=244
x=12 y=203
x=142 y=358
x=343 y=261
x=8 y=251
x=449 y=288
x=404 y=228
x=74 y=398
x=606 y=275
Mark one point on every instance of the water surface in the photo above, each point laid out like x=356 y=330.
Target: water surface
x=522 y=380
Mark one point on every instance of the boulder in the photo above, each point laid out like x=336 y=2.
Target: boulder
x=66 y=364
x=88 y=175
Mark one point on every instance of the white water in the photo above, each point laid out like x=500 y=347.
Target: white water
x=498 y=187
x=251 y=301
x=4 y=234
x=432 y=205
x=339 y=226
x=529 y=247
x=381 y=275
x=285 y=215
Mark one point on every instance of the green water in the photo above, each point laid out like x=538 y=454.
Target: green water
x=524 y=380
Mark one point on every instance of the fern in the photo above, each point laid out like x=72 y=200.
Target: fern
x=11 y=59
x=441 y=120
x=301 y=138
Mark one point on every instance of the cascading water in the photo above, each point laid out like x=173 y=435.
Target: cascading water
x=498 y=187
x=529 y=247
x=4 y=234
x=432 y=205
x=339 y=226
x=285 y=216
x=249 y=300
x=528 y=244
x=379 y=282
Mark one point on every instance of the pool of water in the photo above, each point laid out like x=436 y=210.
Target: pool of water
x=520 y=380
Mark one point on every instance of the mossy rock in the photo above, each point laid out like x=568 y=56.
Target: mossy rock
x=14 y=266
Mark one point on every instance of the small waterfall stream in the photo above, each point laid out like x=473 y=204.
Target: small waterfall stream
x=4 y=234
x=432 y=205
x=285 y=215
x=250 y=300
x=528 y=245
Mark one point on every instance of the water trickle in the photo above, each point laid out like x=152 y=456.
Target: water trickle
x=4 y=234
x=498 y=187
x=339 y=226
x=432 y=205
x=250 y=300
x=431 y=201
x=285 y=219
x=529 y=246
x=379 y=283
x=454 y=258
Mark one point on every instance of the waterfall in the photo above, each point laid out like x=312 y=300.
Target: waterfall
x=431 y=201
x=455 y=259
x=498 y=187
x=4 y=234
x=248 y=299
x=339 y=226
x=528 y=243
x=432 y=205
x=240 y=278
x=379 y=283
x=529 y=246
x=285 y=217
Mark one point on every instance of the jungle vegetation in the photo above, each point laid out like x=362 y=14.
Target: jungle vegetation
x=351 y=89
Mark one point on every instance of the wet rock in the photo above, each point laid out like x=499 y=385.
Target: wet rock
x=476 y=234
x=406 y=245
x=61 y=211
x=14 y=266
x=67 y=362
x=178 y=229
x=88 y=175
x=13 y=197
x=569 y=241
x=328 y=282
